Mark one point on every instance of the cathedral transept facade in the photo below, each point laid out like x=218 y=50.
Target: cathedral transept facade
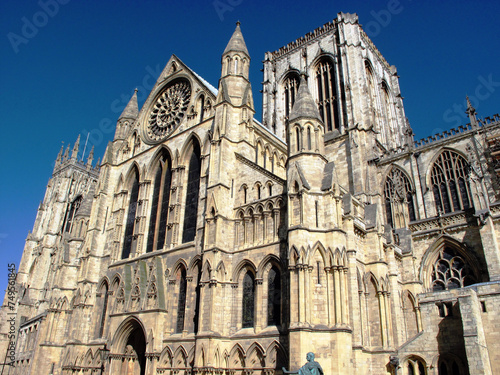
x=207 y=242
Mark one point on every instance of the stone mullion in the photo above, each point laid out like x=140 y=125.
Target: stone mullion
x=176 y=198
x=141 y=215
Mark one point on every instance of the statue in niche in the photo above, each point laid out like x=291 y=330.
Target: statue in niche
x=311 y=367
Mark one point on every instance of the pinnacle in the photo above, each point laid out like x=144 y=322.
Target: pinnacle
x=131 y=111
x=236 y=43
x=304 y=105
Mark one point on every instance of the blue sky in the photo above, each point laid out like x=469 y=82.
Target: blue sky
x=68 y=67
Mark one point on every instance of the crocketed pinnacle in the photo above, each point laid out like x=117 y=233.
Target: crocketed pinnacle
x=131 y=111
x=236 y=43
x=304 y=105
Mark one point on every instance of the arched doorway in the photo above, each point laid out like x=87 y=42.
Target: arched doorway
x=128 y=353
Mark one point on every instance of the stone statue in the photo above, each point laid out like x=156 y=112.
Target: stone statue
x=310 y=368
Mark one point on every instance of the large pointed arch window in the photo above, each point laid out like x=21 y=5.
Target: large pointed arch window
x=71 y=213
x=130 y=240
x=192 y=195
x=291 y=86
x=160 y=204
x=274 y=297
x=248 y=300
x=398 y=195
x=327 y=94
x=449 y=182
x=103 y=303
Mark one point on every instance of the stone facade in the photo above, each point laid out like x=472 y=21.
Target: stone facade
x=207 y=242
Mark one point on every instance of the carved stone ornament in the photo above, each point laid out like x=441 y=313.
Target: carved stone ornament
x=168 y=110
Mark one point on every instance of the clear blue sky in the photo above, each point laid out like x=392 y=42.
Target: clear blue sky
x=70 y=69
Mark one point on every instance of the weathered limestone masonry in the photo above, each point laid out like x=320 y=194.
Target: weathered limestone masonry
x=206 y=242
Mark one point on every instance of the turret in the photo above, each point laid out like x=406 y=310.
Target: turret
x=305 y=128
x=128 y=116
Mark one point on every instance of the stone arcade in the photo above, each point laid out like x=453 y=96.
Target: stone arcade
x=206 y=242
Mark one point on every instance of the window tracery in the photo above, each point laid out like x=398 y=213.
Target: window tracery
x=71 y=213
x=327 y=94
x=160 y=204
x=398 y=194
x=291 y=86
x=130 y=239
x=449 y=182
x=451 y=271
x=193 y=187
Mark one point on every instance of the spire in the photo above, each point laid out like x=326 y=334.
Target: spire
x=237 y=43
x=304 y=105
x=90 y=159
x=471 y=111
x=131 y=111
x=76 y=147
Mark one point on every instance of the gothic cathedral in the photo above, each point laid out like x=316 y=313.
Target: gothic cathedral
x=208 y=243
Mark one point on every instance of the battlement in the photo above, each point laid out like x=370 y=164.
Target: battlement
x=462 y=129
x=327 y=27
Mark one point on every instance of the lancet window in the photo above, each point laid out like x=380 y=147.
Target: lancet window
x=449 y=182
x=327 y=94
x=160 y=204
x=181 y=302
x=130 y=240
x=399 y=204
x=71 y=212
x=192 y=195
x=248 y=300
x=274 y=297
x=291 y=86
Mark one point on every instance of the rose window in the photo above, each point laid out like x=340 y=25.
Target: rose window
x=169 y=110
